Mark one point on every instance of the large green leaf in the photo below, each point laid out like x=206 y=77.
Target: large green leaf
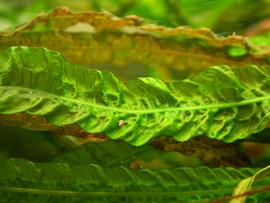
x=129 y=46
x=42 y=91
x=24 y=181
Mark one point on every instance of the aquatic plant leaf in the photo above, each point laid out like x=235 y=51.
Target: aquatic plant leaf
x=159 y=153
x=219 y=15
x=32 y=145
x=42 y=91
x=260 y=44
x=246 y=184
x=100 y=39
x=212 y=152
x=40 y=146
x=115 y=153
x=54 y=182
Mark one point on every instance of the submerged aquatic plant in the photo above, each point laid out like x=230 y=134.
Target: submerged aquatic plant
x=181 y=101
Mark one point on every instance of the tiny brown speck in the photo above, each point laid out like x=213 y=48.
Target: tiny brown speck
x=121 y=122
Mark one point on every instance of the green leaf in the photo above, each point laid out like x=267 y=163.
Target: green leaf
x=115 y=153
x=246 y=184
x=129 y=46
x=260 y=44
x=46 y=147
x=40 y=86
x=32 y=145
x=209 y=12
x=58 y=182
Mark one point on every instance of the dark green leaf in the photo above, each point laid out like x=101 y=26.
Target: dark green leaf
x=25 y=181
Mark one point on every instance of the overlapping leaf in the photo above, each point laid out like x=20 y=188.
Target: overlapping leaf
x=42 y=91
x=115 y=153
x=129 y=45
x=219 y=15
x=246 y=184
x=54 y=182
x=32 y=145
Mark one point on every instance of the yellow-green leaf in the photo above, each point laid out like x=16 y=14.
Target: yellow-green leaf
x=246 y=184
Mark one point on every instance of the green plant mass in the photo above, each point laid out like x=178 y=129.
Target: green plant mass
x=135 y=101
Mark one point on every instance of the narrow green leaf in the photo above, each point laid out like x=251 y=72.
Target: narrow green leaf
x=246 y=184
x=40 y=86
x=115 y=153
x=58 y=182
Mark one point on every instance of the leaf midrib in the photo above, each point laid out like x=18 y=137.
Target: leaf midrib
x=114 y=194
x=145 y=111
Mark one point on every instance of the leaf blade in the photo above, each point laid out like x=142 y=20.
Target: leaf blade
x=62 y=181
x=246 y=184
x=116 y=43
x=220 y=102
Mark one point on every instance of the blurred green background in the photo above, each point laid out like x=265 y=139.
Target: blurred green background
x=222 y=16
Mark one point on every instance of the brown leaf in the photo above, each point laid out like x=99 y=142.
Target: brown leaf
x=213 y=152
x=38 y=123
x=104 y=41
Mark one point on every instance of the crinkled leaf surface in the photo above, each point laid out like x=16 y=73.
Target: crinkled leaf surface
x=129 y=46
x=54 y=182
x=222 y=103
x=41 y=91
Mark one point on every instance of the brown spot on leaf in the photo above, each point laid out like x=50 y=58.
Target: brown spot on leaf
x=121 y=122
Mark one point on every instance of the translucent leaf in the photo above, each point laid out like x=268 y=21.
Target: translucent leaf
x=246 y=184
